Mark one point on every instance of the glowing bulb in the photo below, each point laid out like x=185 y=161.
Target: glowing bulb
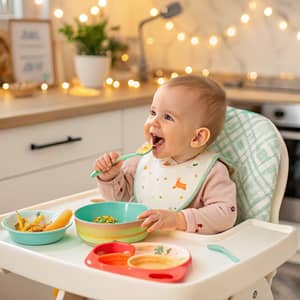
x=298 y=35
x=130 y=82
x=205 y=72
x=174 y=75
x=109 y=81
x=161 y=80
x=102 y=3
x=65 y=85
x=94 y=10
x=154 y=12
x=283 y=25
x=194 y=40
x=150 y=41
x=124 y=57
x=245 y=18
x=268 y=11
x=181 y=36
x=38 y=2
x=213 y=40
x=44 y=86
x=231 y=31
x=58 y=13
x=169 y=25
x=83 y=18
x=252 y=76
x=252 y=5
x=116 y=84
x=136 y=84
x=5 y=86
x=188 y=69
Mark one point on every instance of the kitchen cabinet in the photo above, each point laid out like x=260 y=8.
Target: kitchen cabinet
x=30 y=176
x=54 y=166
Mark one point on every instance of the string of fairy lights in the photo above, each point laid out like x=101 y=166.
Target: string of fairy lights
x=213 y=40
x=277 y=19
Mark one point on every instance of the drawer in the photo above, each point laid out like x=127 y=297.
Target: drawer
x=41 y=186
x=98 y=133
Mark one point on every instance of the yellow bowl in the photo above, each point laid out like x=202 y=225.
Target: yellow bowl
x=126 y=229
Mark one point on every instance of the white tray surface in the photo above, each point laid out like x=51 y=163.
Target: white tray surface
x=252 y=242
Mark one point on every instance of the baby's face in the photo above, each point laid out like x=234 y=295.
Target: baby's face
x=173 y=119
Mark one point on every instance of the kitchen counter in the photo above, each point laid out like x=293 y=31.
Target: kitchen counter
x=55 y=104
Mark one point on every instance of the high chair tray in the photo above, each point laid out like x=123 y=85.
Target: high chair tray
x=260 y=246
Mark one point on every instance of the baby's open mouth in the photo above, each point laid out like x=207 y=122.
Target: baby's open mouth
x=157 y=140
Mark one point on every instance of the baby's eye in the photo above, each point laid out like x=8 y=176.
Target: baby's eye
x=152 y=113
x=168 y=117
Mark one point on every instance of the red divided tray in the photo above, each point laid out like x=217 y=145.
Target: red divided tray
x=151 y=261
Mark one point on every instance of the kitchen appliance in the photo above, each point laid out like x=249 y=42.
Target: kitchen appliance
x=287 y=119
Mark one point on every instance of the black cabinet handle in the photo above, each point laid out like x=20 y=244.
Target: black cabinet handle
x=68 y=140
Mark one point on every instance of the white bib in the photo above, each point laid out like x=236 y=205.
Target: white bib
x=160 y=185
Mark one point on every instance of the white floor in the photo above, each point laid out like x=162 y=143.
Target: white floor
x=286 y=283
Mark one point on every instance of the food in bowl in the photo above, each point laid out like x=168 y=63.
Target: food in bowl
x=25 y=227
x=126 y=229
x=40 y=224
x=105 y=219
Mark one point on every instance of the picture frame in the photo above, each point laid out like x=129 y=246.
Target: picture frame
x=32 y=51
x=5 y=58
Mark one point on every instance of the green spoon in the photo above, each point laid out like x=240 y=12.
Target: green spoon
x=223 y=250
x=144 y=149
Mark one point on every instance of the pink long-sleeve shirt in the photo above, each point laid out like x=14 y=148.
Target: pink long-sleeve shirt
x=213 y=209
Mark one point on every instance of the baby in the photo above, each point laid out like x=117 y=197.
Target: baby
x=186 y=186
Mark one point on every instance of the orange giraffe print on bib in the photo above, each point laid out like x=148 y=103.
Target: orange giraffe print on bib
x=179 y=185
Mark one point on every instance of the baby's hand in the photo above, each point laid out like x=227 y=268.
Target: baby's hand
x=105 y=163
x=160 y=219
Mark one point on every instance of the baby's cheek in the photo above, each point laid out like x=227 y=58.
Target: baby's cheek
x=146 y=129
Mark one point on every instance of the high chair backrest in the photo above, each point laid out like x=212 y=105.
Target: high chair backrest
x=253 y=146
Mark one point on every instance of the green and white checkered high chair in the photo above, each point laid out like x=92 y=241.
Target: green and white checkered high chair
x=253 y=146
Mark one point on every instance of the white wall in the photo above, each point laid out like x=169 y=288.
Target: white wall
x=259 y=46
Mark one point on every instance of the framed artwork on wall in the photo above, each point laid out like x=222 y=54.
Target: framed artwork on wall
x=5 y=58
x=32 y=51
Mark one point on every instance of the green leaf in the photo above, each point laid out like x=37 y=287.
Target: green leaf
x=159 y=250
x=93 y=39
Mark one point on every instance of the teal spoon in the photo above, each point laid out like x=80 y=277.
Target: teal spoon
x=144 y=149
x=221 y=249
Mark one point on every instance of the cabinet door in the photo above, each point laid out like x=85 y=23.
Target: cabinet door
x=94 y=133
x=45 y=185
x=133 y=127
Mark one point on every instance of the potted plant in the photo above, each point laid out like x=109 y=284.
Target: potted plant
x=96 y=49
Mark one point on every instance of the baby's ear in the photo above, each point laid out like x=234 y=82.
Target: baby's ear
x=200 y=138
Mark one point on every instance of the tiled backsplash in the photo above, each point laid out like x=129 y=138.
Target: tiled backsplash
x=259 y=46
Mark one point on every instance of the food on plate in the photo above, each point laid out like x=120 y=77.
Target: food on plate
x=105 y=219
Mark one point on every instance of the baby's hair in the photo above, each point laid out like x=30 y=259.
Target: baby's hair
x=211 y=94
